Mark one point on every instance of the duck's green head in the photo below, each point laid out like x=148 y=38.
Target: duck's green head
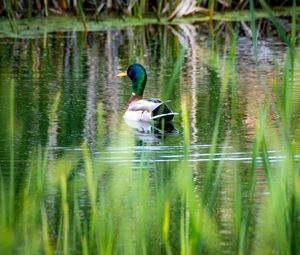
x=138 y=77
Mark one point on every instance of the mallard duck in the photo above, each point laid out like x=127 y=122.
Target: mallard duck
x=144 y=109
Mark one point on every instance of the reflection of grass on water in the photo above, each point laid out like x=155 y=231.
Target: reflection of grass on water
x=124 y=216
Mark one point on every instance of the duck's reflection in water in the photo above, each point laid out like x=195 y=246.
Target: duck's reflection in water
x=152 y=132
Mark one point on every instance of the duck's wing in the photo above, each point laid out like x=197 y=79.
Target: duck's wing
x=149 y=109
x=147 y=104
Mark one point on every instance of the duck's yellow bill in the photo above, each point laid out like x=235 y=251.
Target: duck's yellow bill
x=124 y=74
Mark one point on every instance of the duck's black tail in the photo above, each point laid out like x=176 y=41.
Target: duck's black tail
x=163 y=112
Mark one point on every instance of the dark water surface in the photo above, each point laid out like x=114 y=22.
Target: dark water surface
x=81 y=70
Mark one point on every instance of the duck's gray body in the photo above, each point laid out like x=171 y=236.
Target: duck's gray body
x=148 y=109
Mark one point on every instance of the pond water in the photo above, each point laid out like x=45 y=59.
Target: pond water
x=185 y=64
x=83 y=68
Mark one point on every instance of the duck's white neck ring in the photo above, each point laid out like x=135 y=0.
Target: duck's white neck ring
x=133 y=94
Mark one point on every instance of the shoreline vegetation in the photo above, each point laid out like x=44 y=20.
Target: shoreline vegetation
x=63 y=23
x=132 y=8
x=64 y=15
